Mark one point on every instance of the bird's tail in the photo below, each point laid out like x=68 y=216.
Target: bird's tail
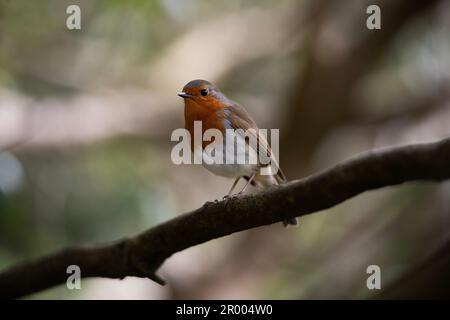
x=267 y=181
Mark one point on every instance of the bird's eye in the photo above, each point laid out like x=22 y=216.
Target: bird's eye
x=204 y=92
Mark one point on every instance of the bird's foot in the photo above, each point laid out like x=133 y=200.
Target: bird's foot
x=209 y=203
x=231 y=196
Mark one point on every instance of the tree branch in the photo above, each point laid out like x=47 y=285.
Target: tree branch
x=143 y=254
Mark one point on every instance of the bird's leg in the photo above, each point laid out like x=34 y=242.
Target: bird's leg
x=248 y=182
x=232 y=187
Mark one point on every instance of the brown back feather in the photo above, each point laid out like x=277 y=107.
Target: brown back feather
x=239 y=118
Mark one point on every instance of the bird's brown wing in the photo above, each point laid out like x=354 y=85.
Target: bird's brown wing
x=236 y=117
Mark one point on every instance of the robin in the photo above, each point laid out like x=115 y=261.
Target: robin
x=205 y=103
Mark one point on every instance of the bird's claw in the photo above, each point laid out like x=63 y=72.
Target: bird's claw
x=225 y=198
x=208 y=203
x=231 y=196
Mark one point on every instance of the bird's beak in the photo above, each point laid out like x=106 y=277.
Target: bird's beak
x=184 y=95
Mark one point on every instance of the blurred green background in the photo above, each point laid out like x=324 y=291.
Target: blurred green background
x=86 y=117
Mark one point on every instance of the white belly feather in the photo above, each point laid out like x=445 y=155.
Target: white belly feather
x=235 y=169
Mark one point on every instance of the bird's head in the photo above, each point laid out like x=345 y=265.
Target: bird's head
x=202 y=93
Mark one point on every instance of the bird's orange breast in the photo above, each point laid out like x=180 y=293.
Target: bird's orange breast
x=211 y=117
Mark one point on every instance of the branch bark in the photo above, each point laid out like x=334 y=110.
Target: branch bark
x=143 y=254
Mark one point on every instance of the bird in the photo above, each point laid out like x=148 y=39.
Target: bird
x=204 y=102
